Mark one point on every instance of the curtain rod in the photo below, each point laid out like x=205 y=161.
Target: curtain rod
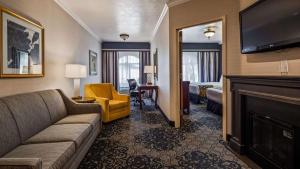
x=126 y=49
x=201 y=50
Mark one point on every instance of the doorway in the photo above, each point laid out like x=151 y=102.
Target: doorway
x=202 y=62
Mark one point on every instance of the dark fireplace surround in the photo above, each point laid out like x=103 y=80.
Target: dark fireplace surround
x=266 y=119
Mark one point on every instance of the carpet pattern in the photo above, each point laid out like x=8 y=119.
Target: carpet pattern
x=146 y=141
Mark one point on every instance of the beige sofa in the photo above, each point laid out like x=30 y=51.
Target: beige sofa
x=46 y=129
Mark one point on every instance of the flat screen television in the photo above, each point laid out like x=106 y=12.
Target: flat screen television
x=270 y=25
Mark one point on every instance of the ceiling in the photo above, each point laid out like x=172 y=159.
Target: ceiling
x=196 y=34
x=107 y=19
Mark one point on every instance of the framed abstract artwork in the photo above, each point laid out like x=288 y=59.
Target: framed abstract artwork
x=22 y=46
x=155 y=58
x=93 y=63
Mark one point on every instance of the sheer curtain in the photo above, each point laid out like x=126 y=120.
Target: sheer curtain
x=190 y=67
x=129 y=68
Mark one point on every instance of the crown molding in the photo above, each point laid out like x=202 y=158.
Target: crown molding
x=172 y=3
x=77 y=19
x=161 y=18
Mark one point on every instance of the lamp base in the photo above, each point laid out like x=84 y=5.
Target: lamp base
x=76 y=87
x=149 y=79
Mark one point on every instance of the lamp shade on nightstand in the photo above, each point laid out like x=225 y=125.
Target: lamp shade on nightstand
x=149 y=69
x=76 y=72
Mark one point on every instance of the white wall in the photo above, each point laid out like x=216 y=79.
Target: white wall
x=161 y=42
x=65 y=42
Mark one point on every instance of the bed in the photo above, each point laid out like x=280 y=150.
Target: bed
x=214 y=100
x=198 y=90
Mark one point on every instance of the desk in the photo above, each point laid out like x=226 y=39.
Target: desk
x=147 y=87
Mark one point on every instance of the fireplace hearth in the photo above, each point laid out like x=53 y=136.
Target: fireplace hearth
x=266 y=120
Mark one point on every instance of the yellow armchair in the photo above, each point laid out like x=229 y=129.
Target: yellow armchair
x=114 y=105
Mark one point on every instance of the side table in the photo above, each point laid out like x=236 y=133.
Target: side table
x=84 y=99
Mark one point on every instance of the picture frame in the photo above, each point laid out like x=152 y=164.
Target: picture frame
x=155 y=59
x=22 y=46
x=93 y=63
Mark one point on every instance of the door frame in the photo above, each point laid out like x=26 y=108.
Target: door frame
x=224 y=70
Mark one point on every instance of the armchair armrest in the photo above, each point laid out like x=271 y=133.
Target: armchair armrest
x=103 y=102
x=122 y=97
x=20 y=163
x=79 y=108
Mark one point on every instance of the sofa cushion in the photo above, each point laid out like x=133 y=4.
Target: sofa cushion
x=30 y=113
x=53 y=155
x=92 y=119
x=55 y=104
x=62 y=133
x=9 y=134
x=116 y=104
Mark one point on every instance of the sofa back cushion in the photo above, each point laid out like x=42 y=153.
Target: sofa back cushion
x=9 y=133
x=30 y=112
x=102 y=90
x=55 y=104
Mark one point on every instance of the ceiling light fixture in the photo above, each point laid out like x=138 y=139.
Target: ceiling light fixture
x=209 y=32
x=124 y=36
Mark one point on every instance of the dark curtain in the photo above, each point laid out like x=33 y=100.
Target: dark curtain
x=145 y=59
x=209 y=66
x=110 y=67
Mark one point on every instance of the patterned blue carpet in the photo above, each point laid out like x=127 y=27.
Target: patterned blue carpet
x=146 y=141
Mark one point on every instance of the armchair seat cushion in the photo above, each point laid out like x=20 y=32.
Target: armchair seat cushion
x=53 y=155
x=92 y=119
x=114 y=105
x=117 y=104
x=62 y=133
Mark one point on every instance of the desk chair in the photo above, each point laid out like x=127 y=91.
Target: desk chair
x=133 y=92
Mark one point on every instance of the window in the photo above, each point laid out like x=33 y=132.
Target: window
x=190 y=67
x=129 y=68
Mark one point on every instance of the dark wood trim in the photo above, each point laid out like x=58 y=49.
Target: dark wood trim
x=269 y=96
x=273 y=77
x=228 y=136
x=236 y=146
x=170 y=122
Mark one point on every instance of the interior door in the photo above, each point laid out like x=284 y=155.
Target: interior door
x=180 y=74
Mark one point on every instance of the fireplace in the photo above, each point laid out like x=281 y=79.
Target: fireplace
x=266 y=120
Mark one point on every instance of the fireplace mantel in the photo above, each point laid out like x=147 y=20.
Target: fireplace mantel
x=266 y=93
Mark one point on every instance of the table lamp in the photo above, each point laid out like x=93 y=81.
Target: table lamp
x=149 y=70
x=76 y=72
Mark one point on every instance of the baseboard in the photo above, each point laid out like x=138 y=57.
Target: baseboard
x=228 y=136
x=236 y=146
x=170 y=122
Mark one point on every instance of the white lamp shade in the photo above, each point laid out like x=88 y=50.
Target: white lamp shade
x=75 y=71
x=149 y=69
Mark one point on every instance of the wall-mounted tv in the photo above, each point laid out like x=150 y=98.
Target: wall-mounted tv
x=270 y=25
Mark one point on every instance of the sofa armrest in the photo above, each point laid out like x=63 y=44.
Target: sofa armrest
x=82 y=108
x=20 y=163
x=79 y=108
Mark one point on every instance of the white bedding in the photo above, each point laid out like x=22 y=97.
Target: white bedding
x=214 y=95
x=195 y=87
